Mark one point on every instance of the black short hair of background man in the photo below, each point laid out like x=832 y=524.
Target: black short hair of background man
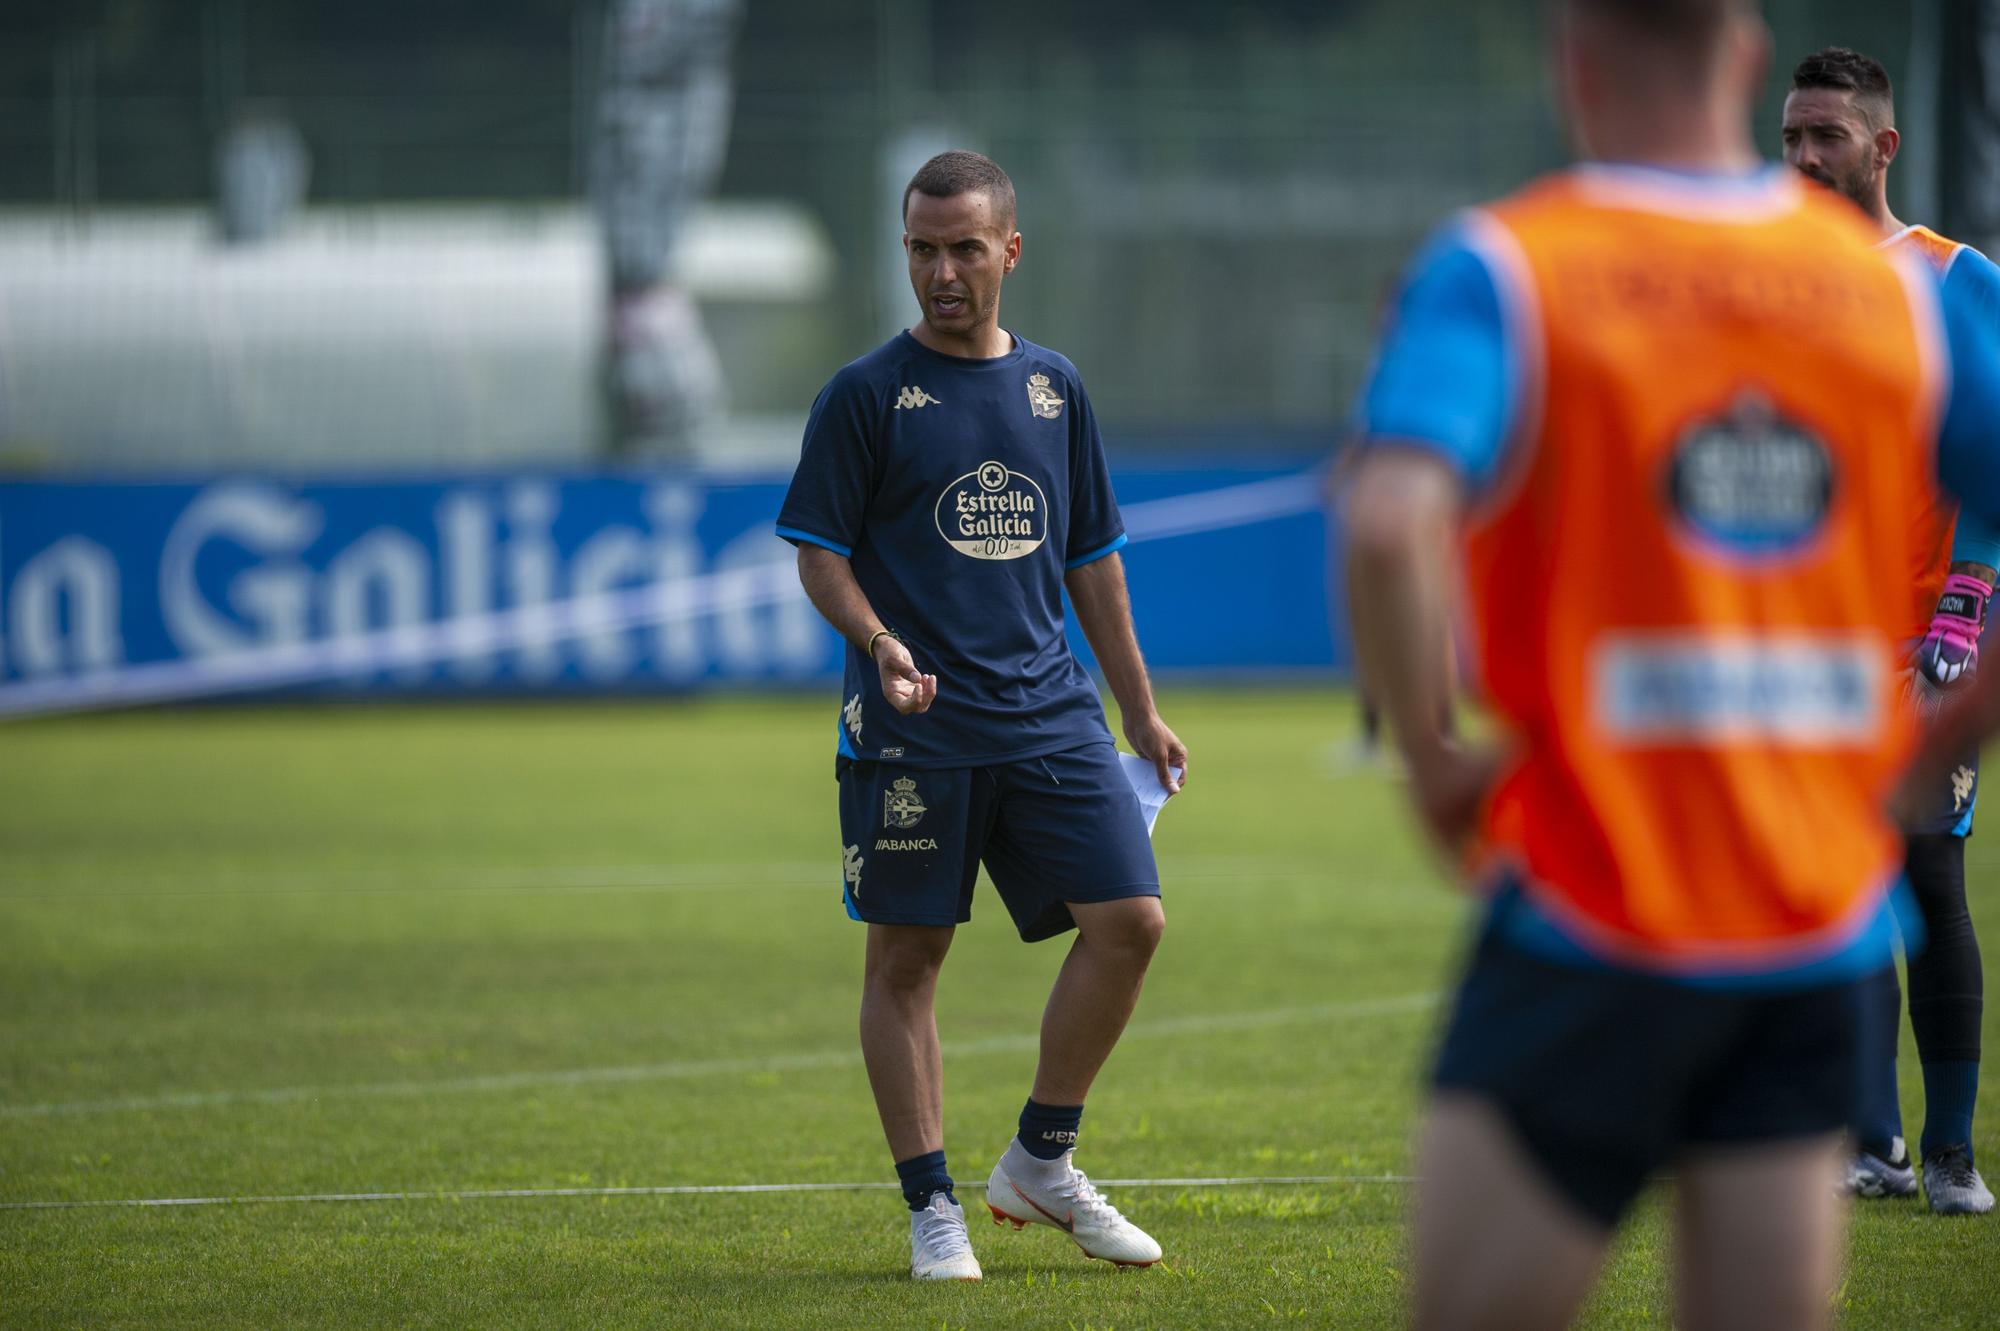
x=950 y=174
x=1842 y=70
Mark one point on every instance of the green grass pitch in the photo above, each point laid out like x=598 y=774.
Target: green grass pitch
x=265 y=953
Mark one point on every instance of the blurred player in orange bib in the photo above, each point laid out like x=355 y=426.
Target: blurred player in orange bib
x=1840 y=130
x=1671 y=410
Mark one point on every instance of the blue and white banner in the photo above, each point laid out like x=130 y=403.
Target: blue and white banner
x=123 y=593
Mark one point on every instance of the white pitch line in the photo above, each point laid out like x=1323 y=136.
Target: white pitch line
x=628 y=877
x=636 y=1072
x=632 y=878
x=685 y=1190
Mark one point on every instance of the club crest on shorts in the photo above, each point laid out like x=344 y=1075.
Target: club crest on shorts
x=901 y=805
x=993 y=513
x=1042 y=399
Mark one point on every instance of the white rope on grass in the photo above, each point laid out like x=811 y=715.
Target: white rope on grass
x=684 y=1190
x=557 y=878
x=424 y=882
x=416 y=645
x=1203 y=1024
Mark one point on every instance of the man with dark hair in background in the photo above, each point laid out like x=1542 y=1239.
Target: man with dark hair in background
x=1840 y=130
x=1686 y=586
x=951 y=488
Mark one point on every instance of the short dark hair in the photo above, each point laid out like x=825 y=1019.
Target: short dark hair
x=957 y=172
x=1843 y=70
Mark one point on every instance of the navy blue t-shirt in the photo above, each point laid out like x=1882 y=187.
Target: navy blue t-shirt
x=961 y=491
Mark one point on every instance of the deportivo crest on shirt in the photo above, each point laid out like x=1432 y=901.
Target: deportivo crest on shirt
x=901 y=805
x=1042 y=399
x=913 y=398
x=993 y=513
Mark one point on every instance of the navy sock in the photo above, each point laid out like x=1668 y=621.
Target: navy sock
x=923 y=1177
x=1049 y=1130
x=1949 y=1090
x=1880 y=1118
x=1881 y=1114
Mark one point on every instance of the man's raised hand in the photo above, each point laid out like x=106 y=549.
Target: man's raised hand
x=908 y=689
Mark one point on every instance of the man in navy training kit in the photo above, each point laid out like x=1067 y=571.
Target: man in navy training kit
x=951 y=486
x=1840 y=130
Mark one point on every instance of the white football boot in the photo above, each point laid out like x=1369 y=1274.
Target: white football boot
x=1952 y=1186
x=940 y=1249
x=1871 y=1175
x=1027 y=1191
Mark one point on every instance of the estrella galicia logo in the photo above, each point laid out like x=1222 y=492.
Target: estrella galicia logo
x=1751 y=480
x=993 y=513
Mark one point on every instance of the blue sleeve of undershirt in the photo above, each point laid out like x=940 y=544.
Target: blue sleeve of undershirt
x=1447 y=375
x=1974 y=281
x=1969 y=438
x=1975 y=541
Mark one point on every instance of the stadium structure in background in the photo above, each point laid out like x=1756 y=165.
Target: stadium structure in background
x=397 y=457
x=664 y=121
x=1221 y=196
x=1967 y=115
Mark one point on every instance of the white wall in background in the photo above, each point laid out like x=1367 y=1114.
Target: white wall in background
x=386 y=337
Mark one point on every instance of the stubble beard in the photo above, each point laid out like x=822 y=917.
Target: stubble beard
x=1857 y=187
x=969 y=324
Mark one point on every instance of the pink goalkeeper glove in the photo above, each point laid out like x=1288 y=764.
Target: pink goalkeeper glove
x=1950 y=650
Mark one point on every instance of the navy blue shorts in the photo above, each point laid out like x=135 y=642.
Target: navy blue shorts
x=1948 y=808
x=1606 y=1075
x=1060 y=828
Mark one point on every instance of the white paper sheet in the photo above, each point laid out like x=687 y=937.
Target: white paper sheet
x=1145 y=779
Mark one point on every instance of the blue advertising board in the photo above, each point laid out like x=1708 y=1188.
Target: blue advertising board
x=554 y=582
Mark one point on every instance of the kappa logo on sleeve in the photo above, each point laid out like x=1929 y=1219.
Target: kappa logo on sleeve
x=850 y=715
x=912 y=398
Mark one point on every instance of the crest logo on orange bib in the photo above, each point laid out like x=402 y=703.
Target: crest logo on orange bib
x=1750 y=480
x=993 y=513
